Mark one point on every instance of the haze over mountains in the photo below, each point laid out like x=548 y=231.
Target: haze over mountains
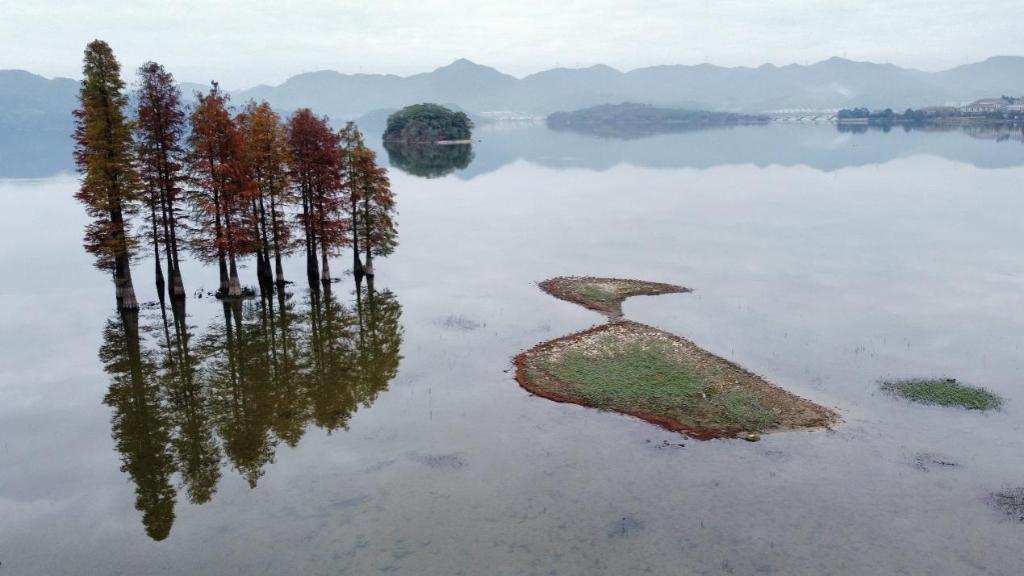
x=833 y=83
x=33 y=106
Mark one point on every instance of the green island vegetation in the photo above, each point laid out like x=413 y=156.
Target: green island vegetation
x=943 y=392
x=427 y=160
x=635 y=369
x=428 y=124
x=631 y=119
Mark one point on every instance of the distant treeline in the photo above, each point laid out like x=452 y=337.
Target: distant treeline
x=933 y=115
x=645 y=118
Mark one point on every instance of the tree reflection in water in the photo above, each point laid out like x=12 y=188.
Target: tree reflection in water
x=141 y=424
x=261 y=373
x=429 y=160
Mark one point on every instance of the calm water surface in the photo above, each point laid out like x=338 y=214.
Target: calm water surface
x=383 y=432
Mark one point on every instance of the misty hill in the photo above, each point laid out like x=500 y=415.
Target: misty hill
x=33 y=105
x=346 y=96
x=35 y=122
x=833 y=83
x=30 y=102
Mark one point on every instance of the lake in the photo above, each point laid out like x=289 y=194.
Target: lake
x=382 y=431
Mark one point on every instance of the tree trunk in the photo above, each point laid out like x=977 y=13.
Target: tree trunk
x=156 y=251
x=357 y=264
x=159 y=277
x=177 y=285
x=234 y=286
x=276 y=233
x=312 y=267
x=325 y=274
x=312 y=270
x=164 y=224
x=171 y=222
x=124 y=290
x=368 y=269
x=219 y=234
x=176 y=288
x=268 y=278
x=262 y=266
x=222 y=266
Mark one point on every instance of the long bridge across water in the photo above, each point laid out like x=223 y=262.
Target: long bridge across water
x=802 y=115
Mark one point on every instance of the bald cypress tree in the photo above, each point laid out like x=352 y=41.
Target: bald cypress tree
x=104 y=157
x=268 y=160
x=371 y=201
x=159 y=130
x=222 y=188
x=315 y=156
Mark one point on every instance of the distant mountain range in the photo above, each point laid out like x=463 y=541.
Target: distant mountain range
x=38 y=108
x=833 y=83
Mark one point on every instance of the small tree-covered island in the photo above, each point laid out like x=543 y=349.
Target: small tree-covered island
x=428 y=124
x=630 y=118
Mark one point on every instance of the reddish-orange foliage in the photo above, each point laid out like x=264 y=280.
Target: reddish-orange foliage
x=221 y=179
x=371 y=204
x=317 y=173
x=267 y=150
x=158 y=130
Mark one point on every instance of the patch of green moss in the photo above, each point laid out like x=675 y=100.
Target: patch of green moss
x=623 y=376
x=632 y=376
x=596 y=293
x=943 y=392
x=742 y=410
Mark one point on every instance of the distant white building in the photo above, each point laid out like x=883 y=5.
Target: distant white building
x=989 y=105
x=985 y=106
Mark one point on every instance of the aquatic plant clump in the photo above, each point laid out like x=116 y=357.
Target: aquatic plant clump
x=943 y=392
x=1010 y=502
x=639 y=370
x=604 y=295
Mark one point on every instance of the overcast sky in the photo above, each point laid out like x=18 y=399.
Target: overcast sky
x=243 y=43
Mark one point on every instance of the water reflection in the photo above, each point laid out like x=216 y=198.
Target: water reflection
x=141 y=424
x=823 y=147
x=994 y=132
x=191 y=402
x=633 y=131
x=429 y=160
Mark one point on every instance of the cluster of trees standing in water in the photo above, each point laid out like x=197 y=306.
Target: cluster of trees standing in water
x=220 y=184
x=225 y=185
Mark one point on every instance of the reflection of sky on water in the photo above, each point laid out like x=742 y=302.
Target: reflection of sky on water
x=821 y=281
